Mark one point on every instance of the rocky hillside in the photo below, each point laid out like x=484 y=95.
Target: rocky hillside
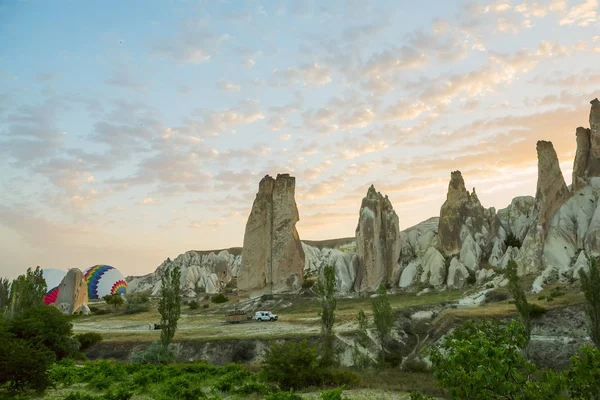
x=559 y=229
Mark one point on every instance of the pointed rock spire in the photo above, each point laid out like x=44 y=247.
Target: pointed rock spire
x=551 y=190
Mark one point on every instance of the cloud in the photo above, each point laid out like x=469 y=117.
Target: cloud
x=227 y=86
x=583 y=14
x=212 y=123
x=285 y=137
x=277 y=122
x=321 y=120
x=192 y=45
x=123 y=79
x=311 y=75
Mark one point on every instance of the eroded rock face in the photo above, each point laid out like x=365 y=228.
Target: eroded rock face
x=582 y=157
x=517 y=217
x=272 y=257
x=461 y=213
x=377 y=242
x=345 y=264
x=551 y=190
x=73 y=293
x=201 y=272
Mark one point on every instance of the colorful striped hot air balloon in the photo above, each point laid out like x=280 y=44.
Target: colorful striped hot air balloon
x=103 y=280
x=53 y=277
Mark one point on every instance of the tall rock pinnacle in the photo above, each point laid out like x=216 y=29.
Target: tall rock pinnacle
x=377 y=242
x=551 y=190
x=587 y=157
x=459 y=206
x=272 y=258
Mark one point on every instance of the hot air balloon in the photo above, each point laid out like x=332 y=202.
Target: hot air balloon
x=104 y=280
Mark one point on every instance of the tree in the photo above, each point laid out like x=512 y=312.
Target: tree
x=27 y=291
x=483 y=360
x=590 y=285
x=48 y=327
x=325 y=290
x=383 y=318
x=23 y=364
x=293 y=365
x=4 y=293
x=113 y=299
x=170 y=305
x=360 y=359
x=523 y=307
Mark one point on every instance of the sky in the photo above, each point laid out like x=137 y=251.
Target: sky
x=135 y=131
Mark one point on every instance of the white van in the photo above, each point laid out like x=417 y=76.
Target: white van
x=265 y=316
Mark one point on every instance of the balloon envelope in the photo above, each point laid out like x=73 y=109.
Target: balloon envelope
x=104 y=280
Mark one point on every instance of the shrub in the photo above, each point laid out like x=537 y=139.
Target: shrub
x=80 y=396
x=135 y=308
x=194 y=305
x=183 y=387
x=88 y=339
x=340 y=377
x=155 y=354
x=99 y=311
x=243 y=351
x=583 y=379
x=483 y=360
x=121 y=393
x=333 y=394
x=219 y=298
x=24 y=365
x=45 y=326
x=292 y=365
x=205 y=305
x=280 y=395
x=512 y=241
x=115 y=300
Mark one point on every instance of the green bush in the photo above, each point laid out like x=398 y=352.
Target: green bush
x=155 y=354
x=219 y=298
x=194 y=305
x=99 y=311
x=136 y=308
x=333 y=394
x=280 y=395
x=308 y=283
x=121 y=393
x=80 y=396
x=182 y=387
x=292 y=365
x=23 y=365
x=48 y=327
x=340 y=377
x=88 y=339
x=583 y=378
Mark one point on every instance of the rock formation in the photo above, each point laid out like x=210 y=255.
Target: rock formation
x=73 y=293
x=587 y=158
x=377 y=242
x=201 y=272
x=461 y=214
x=343 y=261
x=272 y=257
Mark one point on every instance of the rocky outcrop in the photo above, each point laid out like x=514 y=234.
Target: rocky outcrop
x=73 y=293
x=377 y=242
x=272 y=257
x=551 y=190
x=517 y=217
x=461 y=213
x=345 y=264
x=201 y=272
x=550 y=195
x=581 y=158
